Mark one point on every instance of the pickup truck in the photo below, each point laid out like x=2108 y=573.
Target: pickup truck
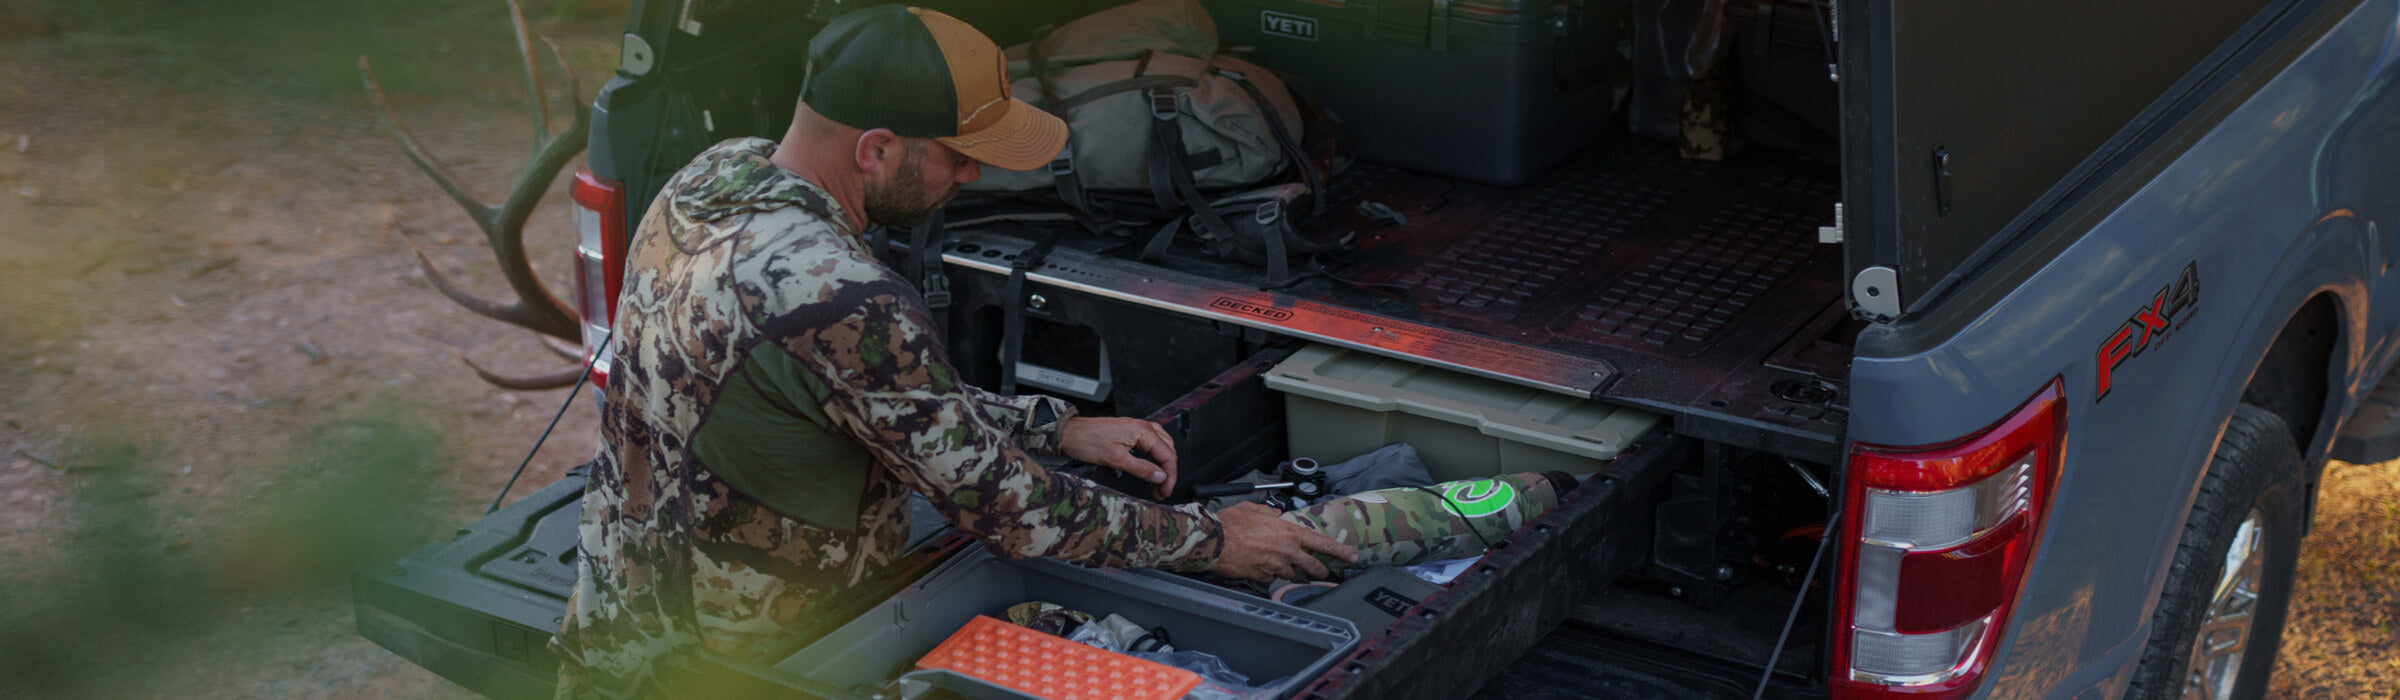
x=2012 y=375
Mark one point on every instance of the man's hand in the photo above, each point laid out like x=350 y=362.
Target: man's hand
x=1110 y=442
x=1261 y=546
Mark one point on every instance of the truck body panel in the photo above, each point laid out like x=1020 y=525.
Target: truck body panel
x=1970 y=126
x=2248 y=210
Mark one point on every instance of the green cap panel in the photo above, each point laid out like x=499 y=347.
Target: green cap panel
x=880 y=68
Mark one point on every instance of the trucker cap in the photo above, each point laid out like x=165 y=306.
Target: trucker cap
x=925 y=74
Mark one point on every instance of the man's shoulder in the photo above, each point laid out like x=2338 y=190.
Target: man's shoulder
x=737 y=178
x=712 y=173
x=796 y=264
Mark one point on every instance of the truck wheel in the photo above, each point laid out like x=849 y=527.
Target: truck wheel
x=2220 y=617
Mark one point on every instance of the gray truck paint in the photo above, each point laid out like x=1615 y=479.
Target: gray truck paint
x=2250 y=204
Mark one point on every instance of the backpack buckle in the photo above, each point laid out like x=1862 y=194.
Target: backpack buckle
x=1064 y=164
x=937 y=291
x=1162 y=105
x=1268 y=211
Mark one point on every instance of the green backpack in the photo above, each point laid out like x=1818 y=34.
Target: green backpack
x=1111 y=73
x=1152 y=108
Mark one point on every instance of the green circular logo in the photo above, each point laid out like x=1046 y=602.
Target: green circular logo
x=1475 y=499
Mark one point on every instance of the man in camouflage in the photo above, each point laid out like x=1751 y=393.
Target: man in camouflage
x=776 y=392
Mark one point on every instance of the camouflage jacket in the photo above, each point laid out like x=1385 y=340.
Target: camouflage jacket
x=776 y=393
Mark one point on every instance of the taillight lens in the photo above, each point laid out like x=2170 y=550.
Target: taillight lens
x=1940 y=539
x=600 y=261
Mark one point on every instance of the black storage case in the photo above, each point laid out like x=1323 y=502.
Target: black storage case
x=1486 y=90
x=1280 y=647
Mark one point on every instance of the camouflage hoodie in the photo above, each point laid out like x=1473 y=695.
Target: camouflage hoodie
x=775 y=395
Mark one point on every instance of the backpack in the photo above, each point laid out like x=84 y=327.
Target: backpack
x=1112 y=73
x=1157 y=120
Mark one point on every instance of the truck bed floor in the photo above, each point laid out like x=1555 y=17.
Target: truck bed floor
x=1701 y=284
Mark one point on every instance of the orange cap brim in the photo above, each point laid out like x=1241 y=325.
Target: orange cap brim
x=1025 y=138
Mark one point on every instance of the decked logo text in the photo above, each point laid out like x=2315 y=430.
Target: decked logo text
x=1243 y=307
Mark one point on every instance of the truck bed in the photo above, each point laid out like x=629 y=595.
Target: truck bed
x=1625 y=274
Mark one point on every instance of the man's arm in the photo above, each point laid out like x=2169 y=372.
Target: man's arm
x=888 y=386
x=1049 y=425
x=1033 y=421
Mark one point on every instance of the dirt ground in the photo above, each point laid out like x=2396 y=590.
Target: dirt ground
x=223 y=375
x=223 y=380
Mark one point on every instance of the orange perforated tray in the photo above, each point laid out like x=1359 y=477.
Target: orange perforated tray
x=1049 y=666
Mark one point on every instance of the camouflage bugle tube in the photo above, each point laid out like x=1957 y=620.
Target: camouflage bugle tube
x=1451 y=520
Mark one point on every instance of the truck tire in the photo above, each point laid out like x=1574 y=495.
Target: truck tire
x=2220 y=617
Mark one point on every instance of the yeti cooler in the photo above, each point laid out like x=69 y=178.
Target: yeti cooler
x=1487 y=90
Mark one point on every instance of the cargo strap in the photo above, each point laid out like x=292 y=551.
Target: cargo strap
x=1012 y=308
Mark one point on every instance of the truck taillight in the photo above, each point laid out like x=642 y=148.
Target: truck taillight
x=1939 y=541
x=599 y=261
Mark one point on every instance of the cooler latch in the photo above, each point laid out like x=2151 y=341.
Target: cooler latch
x=1407 y=20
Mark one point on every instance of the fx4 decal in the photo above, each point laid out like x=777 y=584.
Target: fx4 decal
x=2167 y=311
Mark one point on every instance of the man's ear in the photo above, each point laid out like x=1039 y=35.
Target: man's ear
x=879 y=150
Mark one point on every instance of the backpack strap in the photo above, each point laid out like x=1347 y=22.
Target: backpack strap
x=1063 y=177
x=1157 y=245
x=1170 y=171
x=1278 y=263
x=1270 y=239
x=1039 y=60
x=879 y=243
x=1144 y=83
x=1069 y=186
x=1166 y=145
x=925 y=264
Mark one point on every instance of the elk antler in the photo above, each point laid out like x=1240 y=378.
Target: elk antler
x=504 y=225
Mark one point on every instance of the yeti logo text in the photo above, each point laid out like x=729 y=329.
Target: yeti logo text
x=1389 y=601
x=1294 y=26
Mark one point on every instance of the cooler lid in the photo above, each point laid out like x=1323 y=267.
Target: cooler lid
x=1427 y=22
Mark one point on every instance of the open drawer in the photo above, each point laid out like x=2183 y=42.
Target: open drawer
x=478 y=609
x=1445 y=644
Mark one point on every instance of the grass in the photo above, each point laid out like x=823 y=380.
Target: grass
x=302 y=49
x=359 y=492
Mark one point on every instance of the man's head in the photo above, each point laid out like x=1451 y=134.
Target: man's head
x=918 y=98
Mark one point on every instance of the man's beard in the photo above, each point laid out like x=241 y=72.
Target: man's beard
x=905 y=201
